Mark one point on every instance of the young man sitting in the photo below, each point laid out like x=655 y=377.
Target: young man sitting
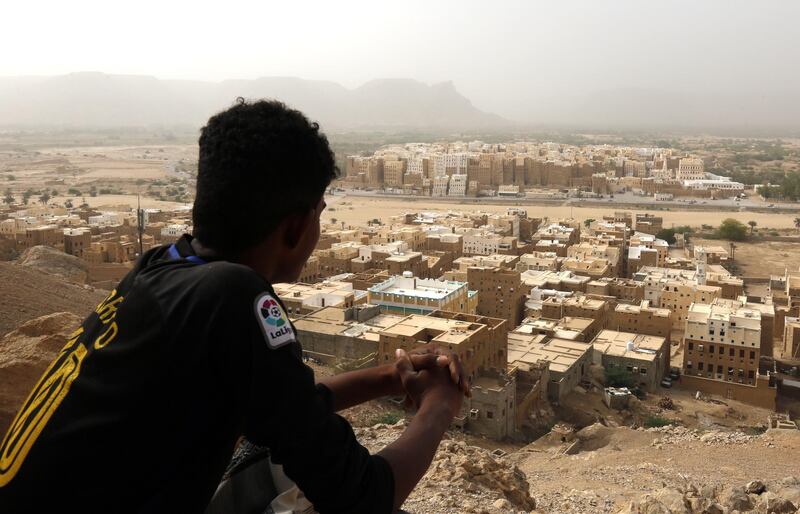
x=143 y=407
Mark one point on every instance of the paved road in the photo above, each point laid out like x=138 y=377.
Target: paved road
x=622 y=201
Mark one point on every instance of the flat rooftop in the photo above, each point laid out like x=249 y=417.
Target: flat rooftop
x=645 y=305
x=431 y=328
x=416 y=287
x=300 y=290
x=560 y=353
x=612 y=342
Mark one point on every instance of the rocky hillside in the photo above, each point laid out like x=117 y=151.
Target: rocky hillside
x=27 y=293
x=461 y=478
x=24 y=355
x=54 y=262
x=667 y=470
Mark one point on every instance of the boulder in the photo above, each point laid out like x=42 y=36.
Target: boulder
x=24 y=355
x=771 y=503
x=673 y=500
x=755 y=487
x=734 y=498
x=649 y=505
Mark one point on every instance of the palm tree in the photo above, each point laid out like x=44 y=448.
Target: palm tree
x=9 y=198
x=752 y=226
x=797 y=223
x=44 y=198
x=588 y=221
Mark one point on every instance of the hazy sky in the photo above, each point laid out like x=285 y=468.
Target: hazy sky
x=500 y=54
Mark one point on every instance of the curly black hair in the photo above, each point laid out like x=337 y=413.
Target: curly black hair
x=259 y=162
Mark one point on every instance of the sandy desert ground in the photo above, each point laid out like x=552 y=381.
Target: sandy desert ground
x=358 y=210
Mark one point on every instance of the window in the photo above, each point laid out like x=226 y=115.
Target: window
x=711 y=348
x=688 y=364
x=752 y=354
x=741 y=354
x=719 y=369
x=691 y=346
x=489 y=414
x=699 y=366
x=730 y=371
x=731 y=352
x=643 y=371
x=750 y=374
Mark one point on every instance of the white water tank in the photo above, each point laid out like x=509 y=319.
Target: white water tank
x=629 y=346
x=408 y=274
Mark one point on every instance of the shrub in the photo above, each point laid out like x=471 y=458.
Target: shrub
x=388 y=418
x=656 y=421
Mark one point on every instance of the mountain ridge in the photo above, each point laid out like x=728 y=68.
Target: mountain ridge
x=86 y=99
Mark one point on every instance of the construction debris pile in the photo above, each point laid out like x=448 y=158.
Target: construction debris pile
x=461 y=478
x=675 y=434
x=779 y=497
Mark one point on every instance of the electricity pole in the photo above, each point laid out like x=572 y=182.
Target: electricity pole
x=139 y=223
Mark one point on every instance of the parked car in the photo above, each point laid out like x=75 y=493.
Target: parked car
x=667 y=383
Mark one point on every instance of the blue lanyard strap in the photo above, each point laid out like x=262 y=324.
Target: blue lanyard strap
x=175 y=255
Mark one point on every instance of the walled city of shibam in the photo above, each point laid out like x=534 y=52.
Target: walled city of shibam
x=619 y=310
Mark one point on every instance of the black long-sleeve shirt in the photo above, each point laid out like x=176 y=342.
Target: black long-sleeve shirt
x=142 y=408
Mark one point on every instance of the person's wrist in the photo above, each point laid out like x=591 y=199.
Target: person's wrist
x=437 y=413
x=391 y=379
x=441 y=398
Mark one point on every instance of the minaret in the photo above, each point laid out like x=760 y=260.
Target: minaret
x=700 y=258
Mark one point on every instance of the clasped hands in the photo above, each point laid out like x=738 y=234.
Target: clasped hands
x=433 y=374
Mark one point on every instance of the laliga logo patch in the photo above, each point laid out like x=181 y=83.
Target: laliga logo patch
x=273 y=321
x=272 y=312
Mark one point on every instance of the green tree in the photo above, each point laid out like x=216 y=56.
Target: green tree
x=667 y=234
x=797 y=223
x=9 y=198
x=752 y=226
x=44 y=198
x=68 y=204
x=618 y=377
x=26 y=196
x=588 y=222
x=732 y=230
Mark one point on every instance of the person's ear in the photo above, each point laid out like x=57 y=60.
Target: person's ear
x=295 y=226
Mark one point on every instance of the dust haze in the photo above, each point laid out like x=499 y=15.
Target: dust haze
x=599 y=65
